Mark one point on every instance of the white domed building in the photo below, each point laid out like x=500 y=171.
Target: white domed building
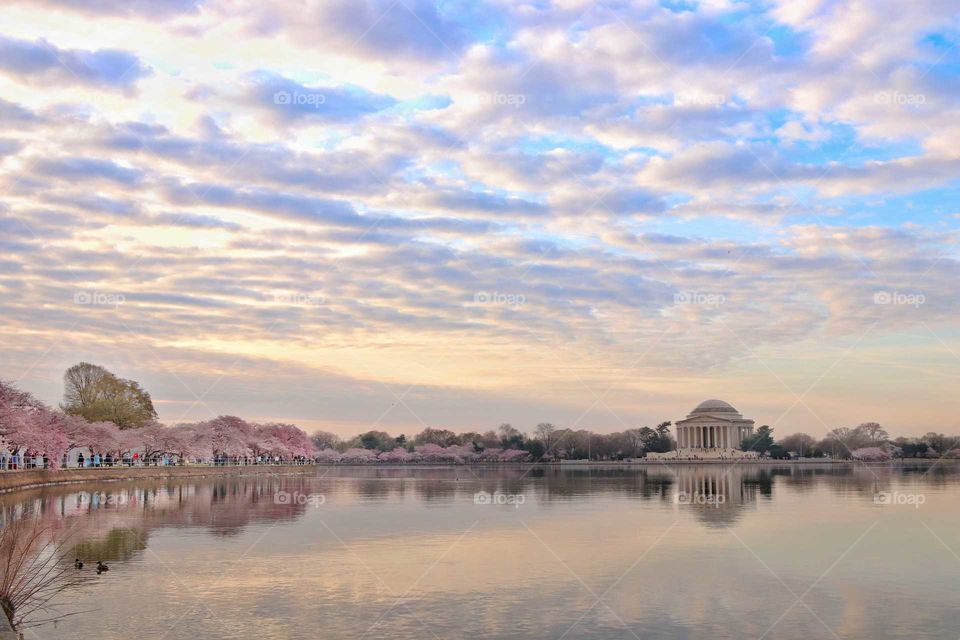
x=714 y=429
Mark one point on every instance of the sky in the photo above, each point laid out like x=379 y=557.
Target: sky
x=393 y=214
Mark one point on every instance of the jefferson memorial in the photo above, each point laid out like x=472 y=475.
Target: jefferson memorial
x=713 y=430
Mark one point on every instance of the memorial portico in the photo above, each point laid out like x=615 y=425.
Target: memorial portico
x=713 y=428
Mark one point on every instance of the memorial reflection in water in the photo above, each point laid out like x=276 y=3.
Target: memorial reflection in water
x=248 y=549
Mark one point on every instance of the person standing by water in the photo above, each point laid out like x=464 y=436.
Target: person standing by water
x=80 y=461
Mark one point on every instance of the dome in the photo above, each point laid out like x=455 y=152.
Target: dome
x=714 y=406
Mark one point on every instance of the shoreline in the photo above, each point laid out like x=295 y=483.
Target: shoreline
x=33 y=478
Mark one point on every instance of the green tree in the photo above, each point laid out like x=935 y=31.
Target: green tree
x=98 y=395
x=761 y=441
x=510 y=437
x=379 y=440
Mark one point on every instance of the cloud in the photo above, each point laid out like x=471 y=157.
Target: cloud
x=44 y=64
x=15 y=115
x=143 y=8
x=289 y=101
x=543 y=199
x=80 y=168
x=416 y=30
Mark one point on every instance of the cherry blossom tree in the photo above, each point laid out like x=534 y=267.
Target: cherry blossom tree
x=190 y=442
x=398 y=456
x=435 y=453
x=27 y=425
x=327 y=455
x=870 y=454
x=285 y=440
x=514 y=455
x=229 y=436
x=357 y=455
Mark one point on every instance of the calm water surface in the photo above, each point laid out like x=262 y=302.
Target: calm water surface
x=682 y=552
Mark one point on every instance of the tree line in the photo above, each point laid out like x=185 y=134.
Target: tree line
x=105 y=415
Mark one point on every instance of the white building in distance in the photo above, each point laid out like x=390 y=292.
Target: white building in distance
x=714 y=429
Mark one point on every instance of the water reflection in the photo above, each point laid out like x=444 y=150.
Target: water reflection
x=252 y=550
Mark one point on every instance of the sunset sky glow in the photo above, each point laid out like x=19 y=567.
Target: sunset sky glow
x=397 y=214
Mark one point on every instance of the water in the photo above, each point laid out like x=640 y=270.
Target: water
x=590 y=552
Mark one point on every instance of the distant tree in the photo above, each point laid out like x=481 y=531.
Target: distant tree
x=358 y=456
x=779 y=452
x=633 y=443
x=912 y=447
x=840 y=442
x=379 y=440
x=761 y=441
x=872 y=433
x=545 y=432
x=799 y=443
x=535 y=448
x=940 y=443
x=664 y=441
x=870 y=454
x=441 y=437
x=91 y=391
x=655 y=440
x=401 y=441
x=510 y=438
x=490 y=439
x=472 y=438
x=325 y=440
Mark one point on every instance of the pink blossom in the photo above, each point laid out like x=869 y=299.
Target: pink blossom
x=870 y=454
x=358 y=456
x=328 y=455
x=398 y=455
